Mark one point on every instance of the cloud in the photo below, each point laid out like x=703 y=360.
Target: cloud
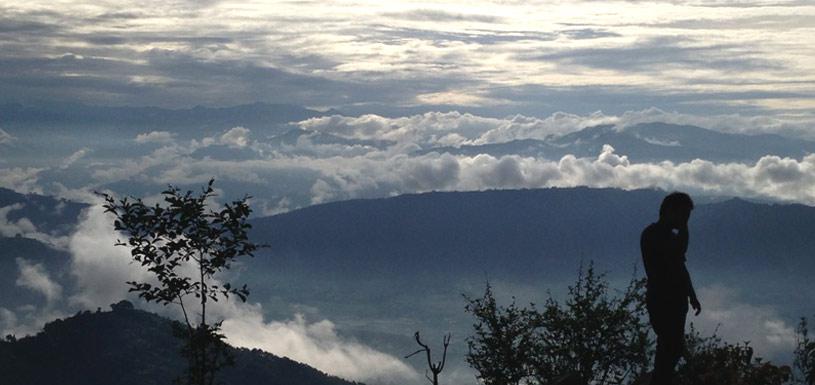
x=21 y=179
x=327 y=172
x=25 y=228
x=236 y=137
x=26 y=320
x=5 y=137
x=35 y=277
x=232 y=52
x=316 y=344
x=662 y=53
x=455 y=128
x=99 y=268
x=435 y=15
x=11 y=228
x=736 y=321
x=70 y=160
x=161 y=137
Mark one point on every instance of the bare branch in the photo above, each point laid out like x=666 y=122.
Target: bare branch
x=444 y=354
x=414 y=353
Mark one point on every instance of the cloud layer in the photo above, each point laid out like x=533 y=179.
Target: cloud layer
x=339 y=157
x=508 y=56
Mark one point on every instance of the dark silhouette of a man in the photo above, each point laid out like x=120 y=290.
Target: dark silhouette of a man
x=669 y=286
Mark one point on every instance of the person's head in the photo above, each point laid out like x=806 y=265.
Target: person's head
x=675 y=209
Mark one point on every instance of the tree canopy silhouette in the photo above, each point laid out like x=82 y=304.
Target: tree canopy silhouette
x=185 y=243
x=597 y=336
x=593 y=335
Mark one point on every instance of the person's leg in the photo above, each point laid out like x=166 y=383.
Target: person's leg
x=657 y=319
x=670 y=330
x=675 y=344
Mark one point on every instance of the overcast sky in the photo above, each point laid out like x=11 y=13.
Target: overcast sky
x=752 y=57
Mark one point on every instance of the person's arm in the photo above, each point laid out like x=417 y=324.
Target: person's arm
x=694 y=301
x=682 y=238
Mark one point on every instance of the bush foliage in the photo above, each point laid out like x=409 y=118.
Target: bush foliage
x=600 y=336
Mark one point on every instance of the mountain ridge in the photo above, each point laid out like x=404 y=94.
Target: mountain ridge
x=129 y=346
x=646 y=142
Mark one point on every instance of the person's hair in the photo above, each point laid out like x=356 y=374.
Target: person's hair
x=675 y=200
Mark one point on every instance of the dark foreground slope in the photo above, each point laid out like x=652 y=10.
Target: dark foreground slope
x=128 y=346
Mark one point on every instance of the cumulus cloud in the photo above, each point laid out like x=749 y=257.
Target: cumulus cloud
x=427 y=129
x=771 y=177
x=340 y=157
x=10 y=228
x=314 y=343
x=161 y=137
x=33 y=276
x=21 y=179
x=736 y=321
x=389 y=172
x=236 y=137
x=99 y=268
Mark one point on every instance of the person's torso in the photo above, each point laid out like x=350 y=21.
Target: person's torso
x=664 y=259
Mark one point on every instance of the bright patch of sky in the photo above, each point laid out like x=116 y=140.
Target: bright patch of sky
x=691 y=56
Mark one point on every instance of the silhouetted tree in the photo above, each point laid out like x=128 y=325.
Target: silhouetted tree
x=805 y=354
x=600 y=337
x=501 y=351
x=184 y=243
x=436 y=368
x=710 y=361
x=595 y=336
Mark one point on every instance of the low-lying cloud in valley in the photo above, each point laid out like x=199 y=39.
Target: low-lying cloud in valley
x=737 y=321
x=316 y=344
x=99 y=271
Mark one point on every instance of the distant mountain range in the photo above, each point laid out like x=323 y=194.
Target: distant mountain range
x=645 y=142
x=256 y=115
x=525 y=233
x=127 y=346
x=648 y=142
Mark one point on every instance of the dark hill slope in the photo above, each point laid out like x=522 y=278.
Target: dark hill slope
x=128 y=346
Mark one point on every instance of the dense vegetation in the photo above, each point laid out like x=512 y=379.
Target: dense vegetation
x=597 y=337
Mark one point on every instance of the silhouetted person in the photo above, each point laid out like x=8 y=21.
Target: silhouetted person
x=669 y=286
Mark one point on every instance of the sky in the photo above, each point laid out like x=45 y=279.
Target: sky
x=537 y=57
x=405 y=78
